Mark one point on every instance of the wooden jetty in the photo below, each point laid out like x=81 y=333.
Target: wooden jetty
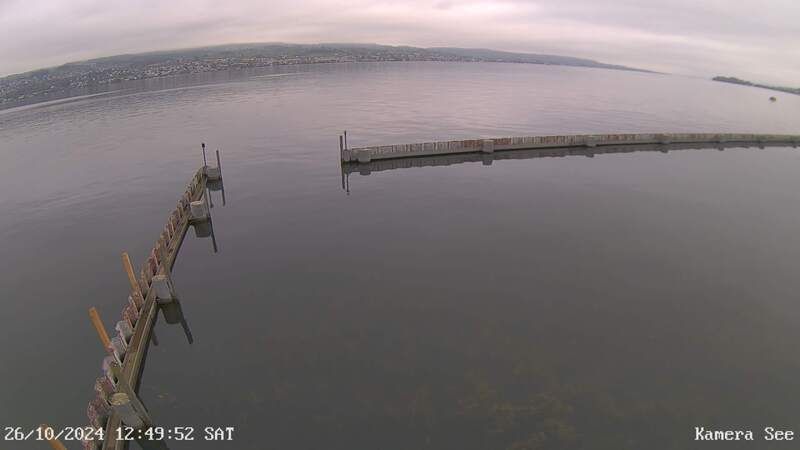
x=162 y=259
x=364 y=155
x=116 y=403
x=382 y=165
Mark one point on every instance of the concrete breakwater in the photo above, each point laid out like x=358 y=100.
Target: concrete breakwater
x=369 y=154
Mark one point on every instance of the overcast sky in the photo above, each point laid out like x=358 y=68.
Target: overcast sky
x=753 y=39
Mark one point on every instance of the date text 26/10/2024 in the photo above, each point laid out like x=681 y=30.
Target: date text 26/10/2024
x=45 y=433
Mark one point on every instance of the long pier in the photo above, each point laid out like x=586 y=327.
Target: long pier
x=160 y=262
x=116 y=405
x=366 y=155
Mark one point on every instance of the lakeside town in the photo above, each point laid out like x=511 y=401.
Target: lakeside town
x=79 y=77
x=97 y=75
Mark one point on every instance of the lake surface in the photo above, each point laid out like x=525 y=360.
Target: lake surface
x=613 y=302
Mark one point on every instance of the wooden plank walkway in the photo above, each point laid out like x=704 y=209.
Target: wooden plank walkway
x=368 y=154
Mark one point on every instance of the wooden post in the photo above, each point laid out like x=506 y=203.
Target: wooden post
x=137 y=292
x=219 y=164
x=345 y=139
x=101 y=329
x=55 y=443
x=204 y=155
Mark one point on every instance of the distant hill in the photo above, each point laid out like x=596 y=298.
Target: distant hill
x=734 y=80
x=480 y=54
x=64 y=80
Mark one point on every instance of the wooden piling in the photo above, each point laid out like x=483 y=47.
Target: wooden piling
x=99 y=327
x=54 y=443
x=137 y=292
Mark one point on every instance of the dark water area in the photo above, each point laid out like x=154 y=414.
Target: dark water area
x=613 y=302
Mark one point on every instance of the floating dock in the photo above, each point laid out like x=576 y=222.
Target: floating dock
x=365 y=155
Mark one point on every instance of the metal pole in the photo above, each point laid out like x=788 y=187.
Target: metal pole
x=219 y=164
x=341 y=143
x=213 y=237
x=345 y=139
x=204 y=154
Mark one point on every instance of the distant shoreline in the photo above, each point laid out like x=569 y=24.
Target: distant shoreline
x=734 y=80
x=44 y=84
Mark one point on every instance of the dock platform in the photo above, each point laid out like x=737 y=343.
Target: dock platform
x=365 y=155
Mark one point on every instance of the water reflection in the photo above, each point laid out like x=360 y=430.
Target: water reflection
x=215 y=186
x=205 y=229
x=173 y=313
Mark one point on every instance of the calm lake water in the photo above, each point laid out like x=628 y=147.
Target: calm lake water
x=613 y=302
